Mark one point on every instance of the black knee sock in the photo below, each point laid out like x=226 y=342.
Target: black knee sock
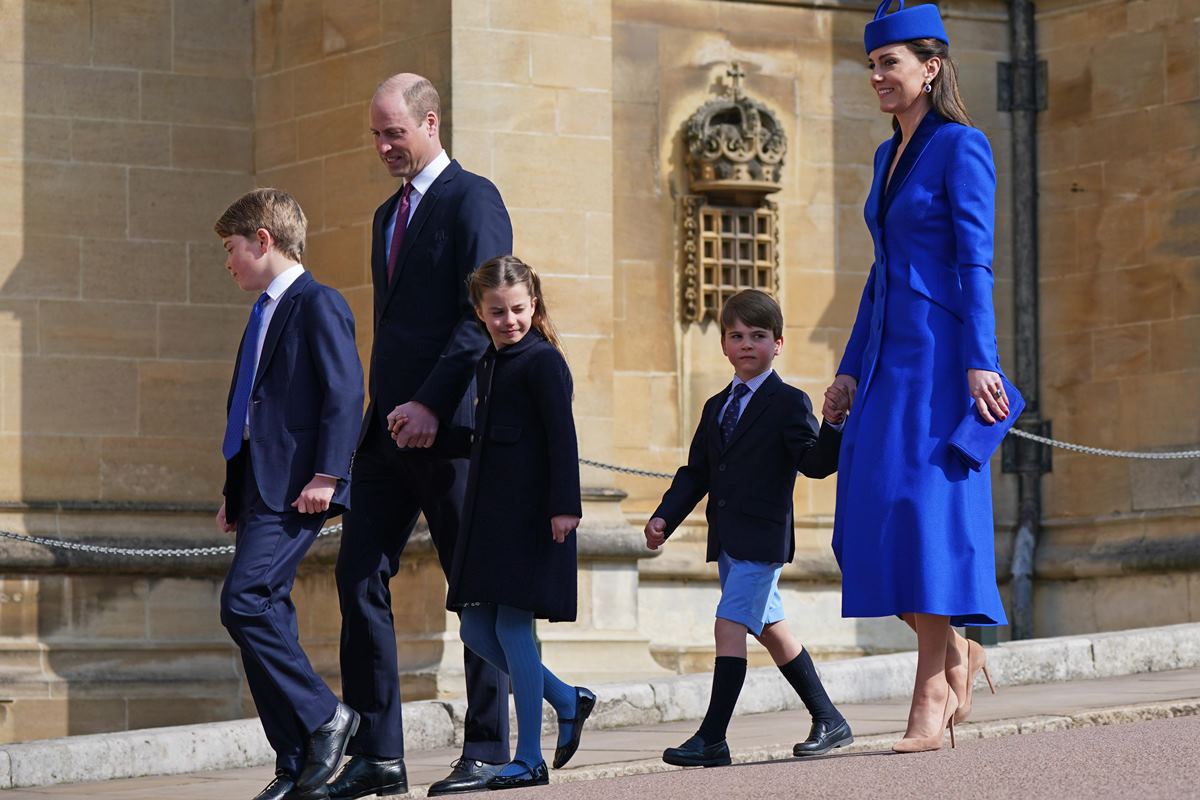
x=728 y=676
x=802 y=675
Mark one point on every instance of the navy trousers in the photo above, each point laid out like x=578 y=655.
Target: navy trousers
x=390 y=489
x=257 y=610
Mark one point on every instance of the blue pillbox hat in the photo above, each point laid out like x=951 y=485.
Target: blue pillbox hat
x=918 y=22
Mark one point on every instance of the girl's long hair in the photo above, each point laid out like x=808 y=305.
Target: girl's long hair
x=505 y=271
x=944 y=95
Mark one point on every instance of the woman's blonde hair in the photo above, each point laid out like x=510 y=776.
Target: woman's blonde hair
x=505 y=271
x=943 y=91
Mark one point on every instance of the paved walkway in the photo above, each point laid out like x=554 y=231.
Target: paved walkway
x=1021 y=709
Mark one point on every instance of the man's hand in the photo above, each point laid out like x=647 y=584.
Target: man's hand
x=315 y=497
x=561 y=526
x=656 y=533
x=412 y=425
x=224 y=525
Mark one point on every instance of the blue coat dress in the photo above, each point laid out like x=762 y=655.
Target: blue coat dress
x=913 y=529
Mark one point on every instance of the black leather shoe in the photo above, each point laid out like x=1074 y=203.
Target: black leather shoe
x=585 y=701
x=363 y=776
x=533 y=776
x=694 y=753
x=326 y=746
x=823 y=737
x=281 y=787
x=468 y=775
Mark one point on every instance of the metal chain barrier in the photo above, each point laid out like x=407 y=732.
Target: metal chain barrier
x=1099 y=451
x=222 y=550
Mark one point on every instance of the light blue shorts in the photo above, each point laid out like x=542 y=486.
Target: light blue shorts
x=749 y=592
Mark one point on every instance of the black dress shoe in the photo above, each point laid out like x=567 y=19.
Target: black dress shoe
x=533 y=776
x=281 y=787
x=326 y=746
x=823 y=737
x=468 y=775
x=695 y=753
x=585 y=701
x=363 y=776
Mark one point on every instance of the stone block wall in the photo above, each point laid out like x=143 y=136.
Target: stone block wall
x=805 y=61
x=126 y=129
x=1120 y=282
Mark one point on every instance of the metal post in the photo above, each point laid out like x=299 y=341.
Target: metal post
x=1025 y=102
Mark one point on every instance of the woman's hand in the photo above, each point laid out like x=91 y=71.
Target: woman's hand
x=562 y=525
x=988 y=391
x=838 y=398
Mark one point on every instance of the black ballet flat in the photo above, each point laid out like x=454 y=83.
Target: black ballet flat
x=585 y=701
x=534 y=776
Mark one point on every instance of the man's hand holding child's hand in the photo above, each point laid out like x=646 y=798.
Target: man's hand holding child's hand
x=656 y=533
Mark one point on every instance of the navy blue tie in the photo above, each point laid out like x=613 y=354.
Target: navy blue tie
x=245 y=380
x=730 y=418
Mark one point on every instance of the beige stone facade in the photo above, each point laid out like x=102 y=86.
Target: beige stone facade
x=126 y=126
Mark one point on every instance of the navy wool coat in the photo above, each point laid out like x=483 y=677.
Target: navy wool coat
x=749 y=480
x=524 y=470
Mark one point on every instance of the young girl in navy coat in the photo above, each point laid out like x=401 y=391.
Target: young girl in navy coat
x=515 y=557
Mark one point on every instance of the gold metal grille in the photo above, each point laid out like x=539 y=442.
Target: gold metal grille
x=735 y=249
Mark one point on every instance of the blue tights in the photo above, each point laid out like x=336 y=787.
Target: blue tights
x=503 y=636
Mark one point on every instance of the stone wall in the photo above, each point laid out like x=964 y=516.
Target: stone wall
x=806 y=62
x=1120 y=295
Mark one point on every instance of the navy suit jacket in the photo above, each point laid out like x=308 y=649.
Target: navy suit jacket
x=306 y=402
x=749 y=481
x=427 y=337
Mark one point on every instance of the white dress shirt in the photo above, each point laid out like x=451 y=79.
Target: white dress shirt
x=420 y=185
x=275 y=290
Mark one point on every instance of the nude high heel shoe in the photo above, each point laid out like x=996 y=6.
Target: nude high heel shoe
x=976 y=662
x=920 y=744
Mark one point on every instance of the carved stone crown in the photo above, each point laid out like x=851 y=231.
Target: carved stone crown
x=735 y=146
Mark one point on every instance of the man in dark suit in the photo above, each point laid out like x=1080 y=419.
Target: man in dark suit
x=413 y=448
x=292 y=418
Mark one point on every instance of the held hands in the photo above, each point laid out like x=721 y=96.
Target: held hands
x=656 y=533
x=838 y=399
x=224 y=525
x=315 y=497
x=988 y=391
x=562 y=525
x=412 y=425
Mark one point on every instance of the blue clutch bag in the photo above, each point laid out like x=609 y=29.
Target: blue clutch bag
x=975 y=440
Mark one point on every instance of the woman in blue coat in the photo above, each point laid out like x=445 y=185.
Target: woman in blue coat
x=913 y=530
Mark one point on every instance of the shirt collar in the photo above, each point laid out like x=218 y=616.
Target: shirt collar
x=425 y=178
x=754 y=382
x=283 y=282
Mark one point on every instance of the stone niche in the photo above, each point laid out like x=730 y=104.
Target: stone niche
x=734 y=148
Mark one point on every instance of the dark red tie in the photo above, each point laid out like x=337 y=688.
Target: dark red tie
x=398 y=232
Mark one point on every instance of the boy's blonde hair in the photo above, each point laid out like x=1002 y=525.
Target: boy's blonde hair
x=505 y=271
x=755 y=309
x=272 y=209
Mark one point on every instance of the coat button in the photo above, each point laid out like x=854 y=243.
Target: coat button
x=721 y=468
x=720 y=504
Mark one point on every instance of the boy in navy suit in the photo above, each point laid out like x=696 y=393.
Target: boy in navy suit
x=752 y=438
x=293 y=415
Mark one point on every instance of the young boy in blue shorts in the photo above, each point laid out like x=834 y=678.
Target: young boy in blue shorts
x=753 y=437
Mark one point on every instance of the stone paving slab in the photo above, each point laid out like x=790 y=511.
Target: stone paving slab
x=635 y=749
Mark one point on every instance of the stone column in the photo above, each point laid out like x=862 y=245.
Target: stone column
x=531 y=92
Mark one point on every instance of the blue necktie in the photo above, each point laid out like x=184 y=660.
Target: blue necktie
x=730 y=418
x=245 y=380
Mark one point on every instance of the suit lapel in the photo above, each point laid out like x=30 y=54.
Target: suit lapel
x=759 y=401
x=924 y=134
x=714 y=423
x=278 y=320
x=379 y=248
x=425 y=208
